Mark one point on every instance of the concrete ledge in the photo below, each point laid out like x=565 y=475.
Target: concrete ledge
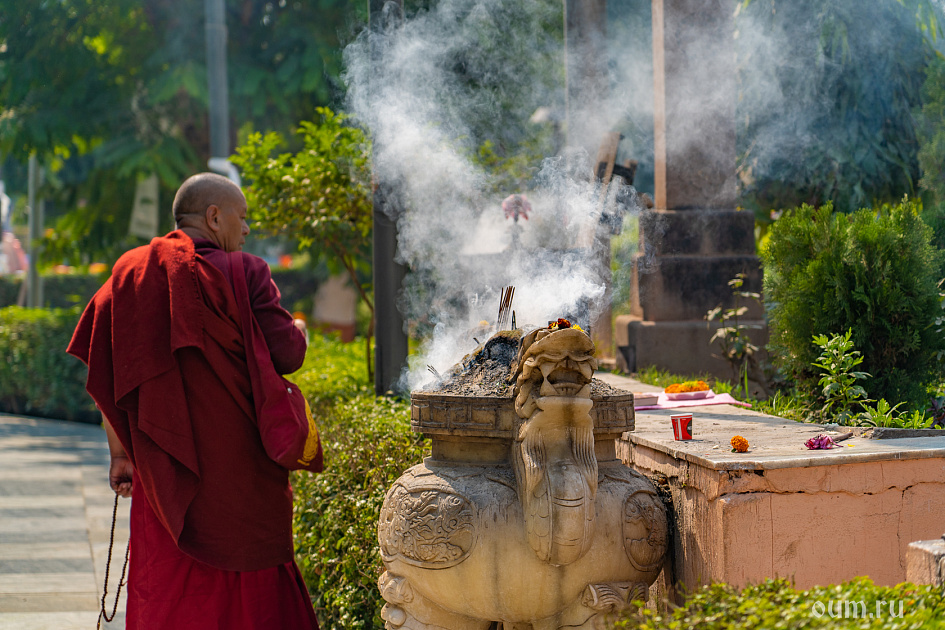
x=925 y=562
x=781 y=510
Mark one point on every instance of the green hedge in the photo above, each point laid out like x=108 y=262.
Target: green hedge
x=37 y=377
x=368 y=444
x=9 y=290
x=775 y=604
x=298 y=287
x=59 y=290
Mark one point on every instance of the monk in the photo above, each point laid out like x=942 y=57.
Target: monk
x=211 y=512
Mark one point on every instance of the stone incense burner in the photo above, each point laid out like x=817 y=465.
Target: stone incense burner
x=522 y=518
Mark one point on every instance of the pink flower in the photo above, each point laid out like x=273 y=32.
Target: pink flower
x=822 y=441
x=516 y=206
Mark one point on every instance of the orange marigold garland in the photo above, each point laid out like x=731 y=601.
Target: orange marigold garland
x=688 y=386
x=739 y=444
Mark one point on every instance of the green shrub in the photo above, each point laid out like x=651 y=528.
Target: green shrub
x=368 y=444
x=775 y=604
x=59 y=290
x=37 y=377
x=838 y=379
x=9 y=289
x=873 y=272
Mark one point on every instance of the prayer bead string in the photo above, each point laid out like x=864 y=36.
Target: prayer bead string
x=111 y=543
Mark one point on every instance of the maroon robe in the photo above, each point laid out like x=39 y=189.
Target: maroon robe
x=167 y=367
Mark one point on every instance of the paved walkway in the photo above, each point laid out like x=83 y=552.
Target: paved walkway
x=55 y=517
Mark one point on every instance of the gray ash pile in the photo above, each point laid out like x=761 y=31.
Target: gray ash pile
x=486 y=372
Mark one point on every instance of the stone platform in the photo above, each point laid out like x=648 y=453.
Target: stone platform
x=781 y=510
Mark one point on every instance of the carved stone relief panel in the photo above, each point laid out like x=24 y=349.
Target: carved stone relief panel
x=426 y=527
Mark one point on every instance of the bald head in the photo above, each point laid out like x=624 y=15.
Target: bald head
x=200 y=191
x=211 y=206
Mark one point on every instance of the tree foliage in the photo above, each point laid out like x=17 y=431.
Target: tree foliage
x=931 y=131
x=827 y=91
x=104 y=91
x=321 y=195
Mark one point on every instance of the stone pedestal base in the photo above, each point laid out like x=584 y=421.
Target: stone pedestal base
x=925 y=562
x=679 y=347
x=687 y=259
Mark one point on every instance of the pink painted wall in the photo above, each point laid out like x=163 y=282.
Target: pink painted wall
x=816 y=524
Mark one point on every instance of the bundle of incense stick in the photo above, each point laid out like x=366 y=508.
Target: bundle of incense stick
x=505 y=309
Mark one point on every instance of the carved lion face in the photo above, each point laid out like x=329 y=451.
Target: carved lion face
x=553 y=363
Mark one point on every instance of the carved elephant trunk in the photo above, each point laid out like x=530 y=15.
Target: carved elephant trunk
x=556 y=475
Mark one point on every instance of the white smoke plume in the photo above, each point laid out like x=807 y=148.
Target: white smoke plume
x=449 y=79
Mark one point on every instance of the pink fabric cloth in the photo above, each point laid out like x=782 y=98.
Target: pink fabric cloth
x=718 y=399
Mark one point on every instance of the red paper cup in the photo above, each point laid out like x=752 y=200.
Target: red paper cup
x=682 y=426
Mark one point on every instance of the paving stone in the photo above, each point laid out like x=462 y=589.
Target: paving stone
x=42 y=512
x=55 y=522
x=64 y=487
x=49 y=603
x=44 y=550
x=68 y=536
x=22 y=501
x=54 y=621
x=42 y=525
x=46 y=565
x=71 y=582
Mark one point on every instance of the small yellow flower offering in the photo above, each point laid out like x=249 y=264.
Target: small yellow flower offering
x=739 y=444
x=688 y=386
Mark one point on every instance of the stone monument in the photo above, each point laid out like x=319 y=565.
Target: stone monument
x=522 y=518
x=695 y=240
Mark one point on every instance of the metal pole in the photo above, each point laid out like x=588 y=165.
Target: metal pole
x=390 y=349
x=34 y=284
x=216 y=79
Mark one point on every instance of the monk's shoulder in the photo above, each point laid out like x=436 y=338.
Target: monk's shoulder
x=175 y=245
x=257 y=269
x=131 y=260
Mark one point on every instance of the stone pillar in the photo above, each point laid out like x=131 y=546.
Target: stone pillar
x=694 y=241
